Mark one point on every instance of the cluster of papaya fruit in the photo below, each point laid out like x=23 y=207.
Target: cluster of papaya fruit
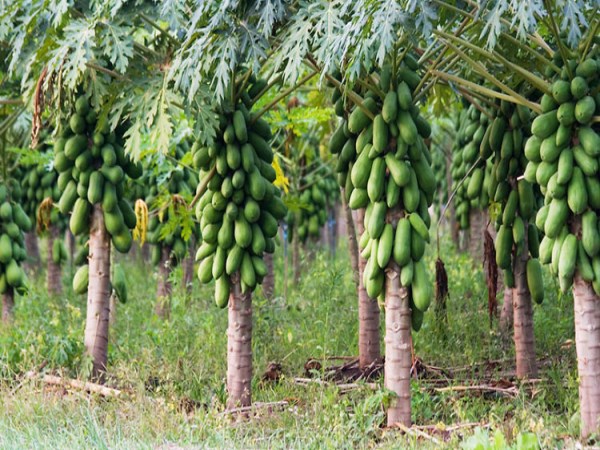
x=13 y=223
x=319 y=194
x=440 y=170
x=240 y=210
x=38 y=183
x=92 y=167
x=517 y=199
x=564 y=159
x=181 y=183
x=118 y=283
x=472 y=193
x=385 y=167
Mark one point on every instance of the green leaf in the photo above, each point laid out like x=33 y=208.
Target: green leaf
x=116 y=43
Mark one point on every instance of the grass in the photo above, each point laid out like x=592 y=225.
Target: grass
x=166 y=365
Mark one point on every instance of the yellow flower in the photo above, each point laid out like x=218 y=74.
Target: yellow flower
x=141 y=227
x=281 y=181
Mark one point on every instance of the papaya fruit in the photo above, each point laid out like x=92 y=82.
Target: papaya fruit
x=590 y=234
x=81 y=280
x=504 y=244
x=535 y=281
x=385 y=247
x=222 y=290
x=80 y=217
x=545 y=124
x=421 y=287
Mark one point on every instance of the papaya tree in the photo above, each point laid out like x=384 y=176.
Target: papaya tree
x=369 y=338
x=561 y=155
x=102 y=68
x=564 y=151
x=238 y=214
x=302 y=122
x=468 y=174
x=14 y=222
x=170 y=225
x=40 y=196
x=517 y=243
x=92 y=167
x=391 y=178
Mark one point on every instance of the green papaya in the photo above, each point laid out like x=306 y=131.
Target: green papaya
x=590 y=234
x=504 y=244
x=222 y=291
x=384 y=249
x=421 y=287
x=535 y=281
x=80 y=217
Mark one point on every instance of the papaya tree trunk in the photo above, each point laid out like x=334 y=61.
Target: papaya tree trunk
x=454 y=228
x=54 y=271
x=352 y=242
x=506 y=314
x=239 y=346
x=587 y=339
x=296 y=257
x=341 y=229
x=188 y=267
x=112 y=318
x=332 y=226
x=70 y=243
x=98 y=304
x=397 y=347
x=523 y=318
x=268 y=284
x=8 y=306
x=145 y=253
x=33 y=251
x=476 y=227
x=164 y=287
x=368 y=313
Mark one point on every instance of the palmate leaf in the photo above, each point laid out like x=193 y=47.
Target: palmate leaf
x=387 y=18
x=116 y=43
x=220 y=36
x=573 y=19
x=227 y=48
x=525 y=16
x=269 y=12
x=159 y=122
x=173 y=11
x=206 y=121
x=75 y=50
x=327 y=31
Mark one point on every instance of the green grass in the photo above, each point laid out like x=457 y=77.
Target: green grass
x=184 y=358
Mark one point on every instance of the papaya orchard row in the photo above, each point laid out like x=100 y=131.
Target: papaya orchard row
x=112 y=83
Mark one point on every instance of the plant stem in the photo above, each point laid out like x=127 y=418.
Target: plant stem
x=269 y=85
x=530 y=77
x=357 y=99
x=112 y=73
x=594 y=32
x=489 y=92
x=559 y=43
x=242 y=85
x=153 y=24
x=484 y=73
x=202 y=186
x=10 y=101
x=282 y=96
